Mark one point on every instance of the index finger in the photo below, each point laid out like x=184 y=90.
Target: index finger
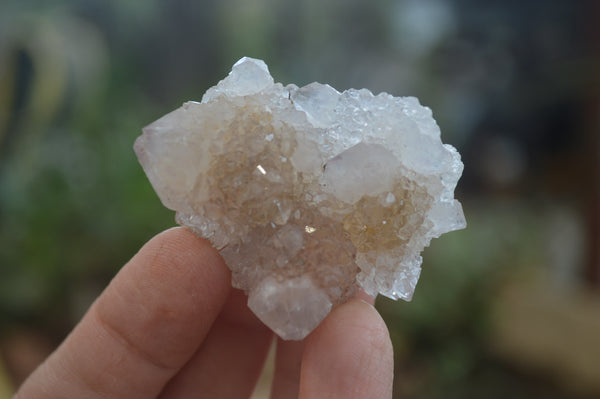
x=143 y=328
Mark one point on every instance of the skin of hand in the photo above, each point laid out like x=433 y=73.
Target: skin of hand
x=169 y=325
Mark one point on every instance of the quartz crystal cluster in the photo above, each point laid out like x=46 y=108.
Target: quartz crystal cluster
x=309 y=194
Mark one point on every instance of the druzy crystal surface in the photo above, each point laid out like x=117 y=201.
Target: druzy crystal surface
x=309 y=194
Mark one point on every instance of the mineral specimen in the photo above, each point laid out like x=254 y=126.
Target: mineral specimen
x=308 y=193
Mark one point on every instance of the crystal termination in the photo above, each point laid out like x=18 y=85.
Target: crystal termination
x=308 y=193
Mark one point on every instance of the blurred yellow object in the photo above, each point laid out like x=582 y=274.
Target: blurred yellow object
x=263 y=386
x=47 y=63
x=554 y=330
x=6 y=389
x=34 y=78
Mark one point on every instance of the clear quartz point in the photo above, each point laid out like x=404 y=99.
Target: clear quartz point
x=292 y=308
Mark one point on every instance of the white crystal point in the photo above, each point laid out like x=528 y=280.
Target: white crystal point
x=248 y=76
x=318 y=101
x=291 y=308
x=349 y=175
x=308 y=193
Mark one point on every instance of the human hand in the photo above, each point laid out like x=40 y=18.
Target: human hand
x=169 y=325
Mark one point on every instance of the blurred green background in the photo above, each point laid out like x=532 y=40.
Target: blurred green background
x=509 y=307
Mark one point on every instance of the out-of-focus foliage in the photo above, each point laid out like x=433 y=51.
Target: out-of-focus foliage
x=440 y=337
x=512 y=85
